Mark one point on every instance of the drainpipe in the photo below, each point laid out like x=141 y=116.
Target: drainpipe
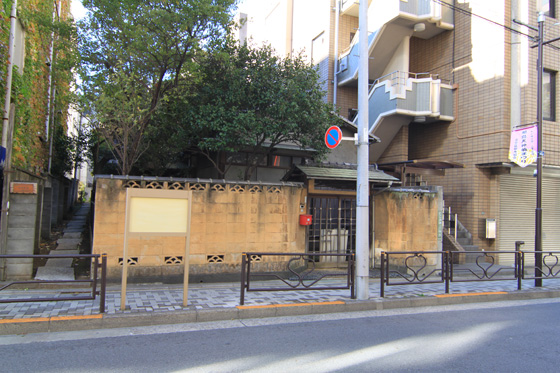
x=7 y=101
x=7 y=129
x=336 y=30
x=49 y=80
x=51 y=132
x=78 y=150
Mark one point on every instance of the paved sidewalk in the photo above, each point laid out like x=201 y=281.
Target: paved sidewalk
x=162 y=304
x=152 y=304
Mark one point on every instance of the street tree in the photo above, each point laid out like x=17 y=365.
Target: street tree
x=251 y=101
x=136 y=53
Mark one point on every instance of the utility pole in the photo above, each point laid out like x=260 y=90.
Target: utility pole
x=540 y=153
x=538 y=208
x=362 y=187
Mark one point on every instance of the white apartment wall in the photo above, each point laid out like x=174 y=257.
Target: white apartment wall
x=266 y=23
x=311 y=18
x=401 y=58
x=74 y=126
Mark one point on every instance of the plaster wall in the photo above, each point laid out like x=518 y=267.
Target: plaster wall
x=407 y=221
x=227 y=220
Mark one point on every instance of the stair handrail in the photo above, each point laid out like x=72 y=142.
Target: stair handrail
x=402 y=75
x=449 y=214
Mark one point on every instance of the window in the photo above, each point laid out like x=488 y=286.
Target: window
x=547 y=7
x=549 y=95
x=319 y=48
x=551 y=8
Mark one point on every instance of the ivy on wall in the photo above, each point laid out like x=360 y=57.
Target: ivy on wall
x=30 y=87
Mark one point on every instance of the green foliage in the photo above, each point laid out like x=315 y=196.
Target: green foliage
x=30 y=86
x=63 y=149
x=250 y=100
x=136 y=53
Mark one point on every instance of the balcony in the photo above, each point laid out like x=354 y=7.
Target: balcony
x=395 y=21
x=400 y=98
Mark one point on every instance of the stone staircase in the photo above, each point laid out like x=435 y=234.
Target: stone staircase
x=463 y=241
x=61 y=269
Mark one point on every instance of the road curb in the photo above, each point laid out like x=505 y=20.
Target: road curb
x=124 y=320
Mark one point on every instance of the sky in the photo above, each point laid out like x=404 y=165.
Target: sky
x=78 y=10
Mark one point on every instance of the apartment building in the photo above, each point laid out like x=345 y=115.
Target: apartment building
x=449 y=81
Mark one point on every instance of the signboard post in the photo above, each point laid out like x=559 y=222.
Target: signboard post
x=153 y=212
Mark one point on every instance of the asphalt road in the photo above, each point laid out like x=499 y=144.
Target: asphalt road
x=520 y=336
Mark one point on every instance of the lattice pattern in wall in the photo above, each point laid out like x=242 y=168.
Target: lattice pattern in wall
x=214 y=258
x=256 y=258
x=202 y=185
x=170 y=260
x=132 y=261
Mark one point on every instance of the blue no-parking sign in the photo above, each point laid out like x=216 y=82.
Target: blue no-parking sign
x=333 y=137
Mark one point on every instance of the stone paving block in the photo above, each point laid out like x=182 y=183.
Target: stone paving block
x=24 y=327
x=216 y=315
x=293 y=310
x=72 y=235
x=69 y=241
x=73 y=324
x=64 y=252
x=66 y=246
x=54 y=273
x=62 y=262
x=257 y=313
x=328 y=308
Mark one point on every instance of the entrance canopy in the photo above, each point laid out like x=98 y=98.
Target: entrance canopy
x=336 y=178
x=336 y=172
x=418 y=167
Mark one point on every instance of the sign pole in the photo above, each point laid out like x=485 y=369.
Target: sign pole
x=362 y=187
x=187 y=252
x=125 y=251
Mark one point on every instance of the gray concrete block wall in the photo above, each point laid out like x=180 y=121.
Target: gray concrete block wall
x=47 y=222
x=56 y=218
x=22 y=225
x=38 y=216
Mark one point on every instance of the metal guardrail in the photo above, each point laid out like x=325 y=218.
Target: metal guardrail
x=99 y=268
x=414 y=267
x=304 y=277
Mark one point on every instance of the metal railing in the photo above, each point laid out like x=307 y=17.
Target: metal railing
x=399 y=78
x=429 y=267
x=98 y=268
x=300 y=272
x=450 y=222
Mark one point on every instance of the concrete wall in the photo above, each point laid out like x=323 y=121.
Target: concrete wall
x=24 y=220
x=47 y=223
x=227 y=220
x=407 y=220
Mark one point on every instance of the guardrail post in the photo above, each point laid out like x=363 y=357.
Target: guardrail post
x=447 y=260
x=382 y=285
x=352 y=278
x=519 y=262
x=94 y=276
x=243 y=263
x=103 y=283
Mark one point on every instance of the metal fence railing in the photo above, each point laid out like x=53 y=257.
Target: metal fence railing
x=294 y=271
x=97 y=280
x=429 y=267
